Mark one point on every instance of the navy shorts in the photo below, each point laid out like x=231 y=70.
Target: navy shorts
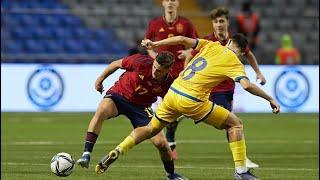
x=223 y=99
x=138 y=115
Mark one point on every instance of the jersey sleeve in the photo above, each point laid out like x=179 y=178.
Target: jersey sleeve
x=200 y=44
x=237 y=73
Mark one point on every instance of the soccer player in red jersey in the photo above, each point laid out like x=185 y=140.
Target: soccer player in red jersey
x=169 y=25
x=132 y=96
x=223 y=93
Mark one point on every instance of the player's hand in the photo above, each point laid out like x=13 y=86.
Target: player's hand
x=183 y=54
x=147 y=43
x=275 y=106
x=261 y=79
x=99 y=87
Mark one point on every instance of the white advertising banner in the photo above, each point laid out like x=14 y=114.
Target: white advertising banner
x=56 y=87
x=296 y=88
x=62 y=87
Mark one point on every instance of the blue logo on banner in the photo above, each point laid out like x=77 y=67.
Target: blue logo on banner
x=292 y=88
x=45 y=87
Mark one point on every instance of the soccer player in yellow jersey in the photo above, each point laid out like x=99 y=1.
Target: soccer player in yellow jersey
x=189 y=96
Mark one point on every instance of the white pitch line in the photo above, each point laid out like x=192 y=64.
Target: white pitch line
x=178 y=142
x=178 y=167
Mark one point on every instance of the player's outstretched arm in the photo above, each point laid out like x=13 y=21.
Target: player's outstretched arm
x=107 y=72
x=152 y=53
x=187 y=42
x=255 y=90
x=254 y=64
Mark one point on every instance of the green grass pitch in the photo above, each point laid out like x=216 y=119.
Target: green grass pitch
x=286 y=146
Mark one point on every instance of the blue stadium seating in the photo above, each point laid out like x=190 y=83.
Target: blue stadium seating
x=61 y=33
x=71 y=21
x=13 y=47
x=74 y=46
x=83 y=33
x=34 y=46
x=21 y=33
x=53 y=34
x=94 y=46
x=43 y=33
x=54 y=46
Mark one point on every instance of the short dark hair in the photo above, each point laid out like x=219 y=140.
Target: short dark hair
x=165 y=59
x=241 y=41
x=218 y=12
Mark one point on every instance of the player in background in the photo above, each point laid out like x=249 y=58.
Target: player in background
x=132 y=96
x=169 y=25
x=223 y=93
x=189 y=96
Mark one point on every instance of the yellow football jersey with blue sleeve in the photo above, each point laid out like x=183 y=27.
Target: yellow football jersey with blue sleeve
x=213 y=64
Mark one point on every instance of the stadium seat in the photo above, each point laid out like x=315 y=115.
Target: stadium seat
x=43 y=33
x=13 y=47
x=105 y=34
x=30 y=20
x=20 y=32
x=54 y=46
x=61 y=33
x=74 y=47
x=11 y=20
x=92 y=22
x=117 y=48
x=34 y=46
x=81 y=32
x=50 y=21
x=71 y=21
x=94 y=47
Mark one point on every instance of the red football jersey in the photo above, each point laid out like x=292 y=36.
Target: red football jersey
x=159 y=29
x=227 y=85
x=136 y=83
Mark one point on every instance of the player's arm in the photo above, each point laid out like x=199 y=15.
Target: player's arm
x=255 y=90
x=152 y=53
x=150 y=34
x=187 y=42
x=254 y=64
x=107 y=72
x=186 y=55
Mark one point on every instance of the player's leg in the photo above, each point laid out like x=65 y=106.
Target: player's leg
x=106 y=109
x=225 y=99
x=221 y=118
x=170 y=131
x=137 y=136
x=160 y=142
x=170 y=135
x=162 y=117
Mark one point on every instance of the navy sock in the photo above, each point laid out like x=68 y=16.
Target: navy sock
x=168 y=166
x=171 y=131
x=90 y=141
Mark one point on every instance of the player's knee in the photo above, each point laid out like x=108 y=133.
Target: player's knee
x=235 y=128
x=232 y=121
x=106 y=109
x=161 y=144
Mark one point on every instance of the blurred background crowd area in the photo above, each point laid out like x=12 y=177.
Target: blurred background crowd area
x=100 y=31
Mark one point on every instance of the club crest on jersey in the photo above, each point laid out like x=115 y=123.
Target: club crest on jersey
x=179 y=28
x=161 y=30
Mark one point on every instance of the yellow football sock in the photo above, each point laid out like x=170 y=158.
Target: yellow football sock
x=238 y=150
x=127 y=144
